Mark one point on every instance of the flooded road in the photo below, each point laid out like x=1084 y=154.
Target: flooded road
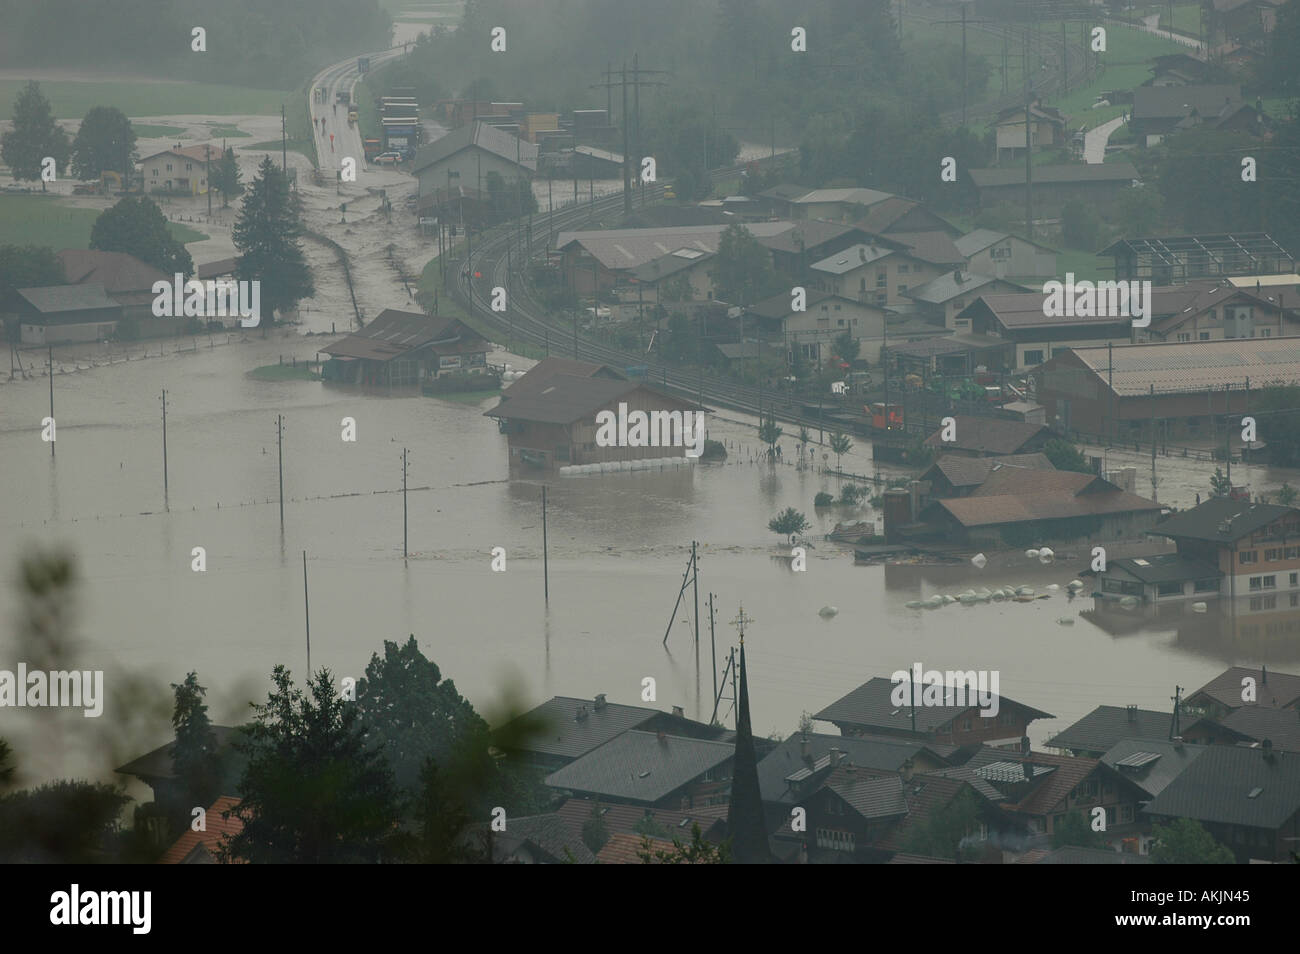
x=618 y=548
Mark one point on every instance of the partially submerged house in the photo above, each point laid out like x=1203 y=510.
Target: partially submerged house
x=399 y=348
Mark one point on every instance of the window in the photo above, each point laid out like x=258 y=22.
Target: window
x=1271 y=555
x=1266 y=332
x=169 y=167
x=562 y=452
x=882 y=279
x=1033 y=357
x=1294 y=579
x=1206 y=586
x=189 y=167
x=1292 y=553
x=1249 y=556
x=1003 y=252
x=965 y=725
x=1125 y=814
x=1183 y=337
x=1174 y=588
x=958 y=305
x=862 y=284
x=1205 y=336
x=1086 y=790
x=902 y=268
x=1256 y=583
x=881 y=299
x=1258 y=603
x=837 y=307
x=1270 y=582
x=155 y=172
x=839 y=322
x=902 y=289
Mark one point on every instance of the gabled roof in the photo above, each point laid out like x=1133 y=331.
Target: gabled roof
x=1192 y=366
x=1027 y=310
x=785 y=192
x=949 y=285
x=980 y=239
x=548 y=833
x=1151 y=764
x=973 y=471
x=392 y=334
x=866 y=197
x=1167 y=568
x=932 y=246
x=618 y=249
x=665 y=266
x=1056 y=776
x=1123 y=172
x=1231 y=785
x=59 y=299
x=116 y=271
x=871 y=706
x=641 y=766
x=576 y=726
x=876 y=753
x=1104 y=727
x=496 y=141
x=942 y=343
x=855 y=256
x=989 y=434
x=812 y=233
x=624 y=819
x=1048 y=113
x=1221 y=520
x=1257 y=723
x=872 y=797
x=201 y=847
x=1170 y=102
x=567 y=398
x=196 y=153
x=980 y=510
x=924 y=795
x=881 y=215
x=1276 y=690
x=157 y=765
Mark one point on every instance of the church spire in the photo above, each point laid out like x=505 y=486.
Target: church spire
x=745 y=822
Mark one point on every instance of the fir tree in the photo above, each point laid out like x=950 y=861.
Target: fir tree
x=34 y=136
x=266 y=234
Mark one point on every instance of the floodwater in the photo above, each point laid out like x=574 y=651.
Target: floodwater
x=618 y=548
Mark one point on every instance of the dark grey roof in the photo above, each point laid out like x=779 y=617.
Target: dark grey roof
x=872 y=753
x=667 y=265
x=158 y=763
x=1104 y=726
x=568 y=398
x=811 y=233
x=1167 y=568
x=973 y=471
x=879 y=796
x=1151 y=764
x=968 y=774
x=550 y=833
x=1220 y=520
x=991 y=435
x=54 y=299
x=641 y=766
x=570 y=737
x=947 y=286
x=1231 y=785
x=1257 y=723
x=942 y=343
x=480 y=134
x=1050 y=175
x=1092 y=856
x=1169 y=102
x=871 y=705
x=1276 y=690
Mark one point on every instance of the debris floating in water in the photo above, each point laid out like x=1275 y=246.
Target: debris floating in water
x=979 y=560
x=1198 y=607
x=1046 y=556
x=1066 y=620
x=826 y=612
x=1032 y=554
x=1053 y=587
x=1076 y=584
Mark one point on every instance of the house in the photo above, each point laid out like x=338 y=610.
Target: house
x=63 y=313
x=1239 y=23
x=903 y=215
x=1150 y=764
x=957 y=475
x=873 y=273
x=1106 y=726
x=1072 y=855
x=935 y=247
x=951 y=355
x=126 y=279
x=851 y=811
x=1159 y=578
x=1179 y=69
x=1022 y=319
x=1159 y=110
x=1249 y=725
x=1247 y=798
x=681 y=275
x=870 y=710
x=812 y=331
x=636 y=820
x=203 y=847
x=535 y=840
x=1238 y=687
x=1254 y=548
x=1003 y=255
x=928 y=797
x=1166 y=259
x=1184 y=386
x=469 y=154
x=1100 y=185
x=943 y=298
x=1015 y=506
x=550 y=413
x=588 y=162
x=799 y=203
x=1047 y=130
x=989 y=437
x=155 y=768
x=811 y=240
x=574 y=727
x=651 y=769
x=400 y=348
x=182 y=169
x=1223 y=311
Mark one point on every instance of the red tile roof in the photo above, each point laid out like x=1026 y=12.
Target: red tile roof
x=218 y=830
x=621 y=849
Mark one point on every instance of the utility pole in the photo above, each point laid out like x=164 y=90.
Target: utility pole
x=207 y=171
x=405 y=551
x=1029 y=170
x=695 y=585
x=284 y=144
x=279 y=444
x=625 y=120
x=546 y=571
x=164 y=412
x=713 y=648
x=53 y=427
x=1175 y=729
x=306 y=609
x=1153 y=441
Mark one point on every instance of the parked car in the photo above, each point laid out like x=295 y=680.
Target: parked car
x=388 y=158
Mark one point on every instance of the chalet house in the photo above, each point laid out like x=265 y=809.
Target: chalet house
x=1047 y=130
x=182 y=169
x=1179 y=69
x=799 y=203
x=1247 y=798
x=155 y=768
x=869 y=710
x=1105 y=726
x=681 y=275
x=942 y=299
x=873 y=273
x=1038 y=337
x=126 y=279
x=468 y=154
x=902 y=215
x=1016 y=505
x=1227 y=692
x=400 y=348
x=651 y=769
x=1004 y=256
x=949 y=355
x=575 y=727
x=826 y=316
x=549 y=415
x=63 y=313
x=989 y=437
x=1249 y=725
x=957 y=475
x=796 y=248
x=1224 y=312
x=1101 y=186
x=1254 y=547
x=1159 y=578
x=1160 y=110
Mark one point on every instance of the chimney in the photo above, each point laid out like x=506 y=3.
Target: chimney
x=805 y=751
x=1024 y=745
x=1132 y=713
x=1267 y=746
x=1263 y=675
x=907 y=770
x=600 y=701
x=1178 y=743
x=581 y=714
x=862 y=254
x=836 y=757
x=1028 y=768
x=678 y=712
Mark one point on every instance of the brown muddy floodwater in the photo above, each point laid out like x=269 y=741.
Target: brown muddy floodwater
x=618 y=548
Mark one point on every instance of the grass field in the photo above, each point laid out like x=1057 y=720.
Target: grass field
x=283 y=372
x=146 y=131
x=46 y=220
x=226 y=132
x=72 y=100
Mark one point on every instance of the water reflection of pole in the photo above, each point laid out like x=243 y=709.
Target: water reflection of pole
x=546 y=573
x=52 y=432
x=279 y=444
x=306 y=608
x=164 y=412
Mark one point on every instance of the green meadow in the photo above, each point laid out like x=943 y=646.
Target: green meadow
x=48 y=220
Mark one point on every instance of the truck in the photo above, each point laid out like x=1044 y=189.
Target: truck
x=372 y=148
x=352 y=116
x=343 y=96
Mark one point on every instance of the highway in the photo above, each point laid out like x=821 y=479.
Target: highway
x=342 y=76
